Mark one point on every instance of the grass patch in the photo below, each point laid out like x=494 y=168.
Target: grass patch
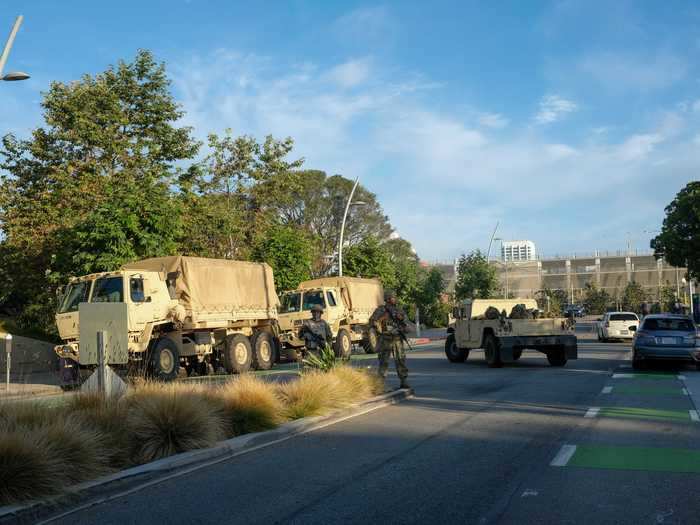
x=247 y=404
x=166 y=419
x=44 y=450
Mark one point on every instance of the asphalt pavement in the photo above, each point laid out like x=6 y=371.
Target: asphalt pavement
x=528 y=443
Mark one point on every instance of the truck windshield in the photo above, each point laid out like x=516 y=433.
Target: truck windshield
x=108 y=290
x=76 y=293
x=290 y=303
x=313 y=298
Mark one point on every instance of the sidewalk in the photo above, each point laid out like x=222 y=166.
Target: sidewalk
x=30 y=385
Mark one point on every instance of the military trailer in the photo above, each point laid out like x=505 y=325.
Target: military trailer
x=348 y=303
x=203 y=314
x=492 y=324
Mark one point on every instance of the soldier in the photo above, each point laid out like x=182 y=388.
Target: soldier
x=316 y=331
x=390 y=322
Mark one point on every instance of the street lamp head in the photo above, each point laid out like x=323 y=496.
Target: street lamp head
x=15 y=75
x=358 y=203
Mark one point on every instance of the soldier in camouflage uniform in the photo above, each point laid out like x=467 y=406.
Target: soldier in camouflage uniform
x=316 y=331
x=390 y=322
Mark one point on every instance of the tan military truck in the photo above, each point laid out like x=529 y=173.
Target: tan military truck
x=201 y=313
x=348 y=303
x=504 y=338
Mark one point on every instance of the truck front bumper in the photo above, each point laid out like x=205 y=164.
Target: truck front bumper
x=515 y=344
x=67 y=351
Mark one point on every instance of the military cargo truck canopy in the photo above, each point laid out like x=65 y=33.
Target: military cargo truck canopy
x=216 y=285
x=360 y=295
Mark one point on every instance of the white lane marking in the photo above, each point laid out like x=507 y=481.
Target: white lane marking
x=529 y=492
x=592 y=412
x=680 y=378
x=606 y=390
x=626 y=366
x=694 y=415
x=685 y=391
x=564 y=455
x=623 y=376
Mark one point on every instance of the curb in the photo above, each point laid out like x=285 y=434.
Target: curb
x=179 y=464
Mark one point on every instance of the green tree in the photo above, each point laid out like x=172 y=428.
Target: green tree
x=428 y=299
x=667 y=297
x=289 y=252
x=317 y=202
x=633 y=296
x=551 y=301
x=369 y=258
x=476 y=278
x=679 y=240
x=91 y=189
x=595 y=300
x=407 y=269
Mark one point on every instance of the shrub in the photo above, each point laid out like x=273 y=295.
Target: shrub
x=324 y=361
x=167 y=419
x=247 y=404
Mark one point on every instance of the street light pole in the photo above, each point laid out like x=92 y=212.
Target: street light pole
x=505 y=265
x=342 y=228
x=15 y=75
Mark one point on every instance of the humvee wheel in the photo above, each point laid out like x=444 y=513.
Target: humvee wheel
x=238 y=354
x=492 y=352
x=557 y=357
x=453 y=353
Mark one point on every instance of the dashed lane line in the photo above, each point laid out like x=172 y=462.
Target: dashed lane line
x=628 y=458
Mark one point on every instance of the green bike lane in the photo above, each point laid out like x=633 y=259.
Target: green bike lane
x=635 y=460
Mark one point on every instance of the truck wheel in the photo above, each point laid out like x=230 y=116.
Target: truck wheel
x=557 y=357
x=492 y=352
x=165 y=360
x=343 y=344
x=453 y=353
x=263 y=351
x=238 y=354
x=371 y=343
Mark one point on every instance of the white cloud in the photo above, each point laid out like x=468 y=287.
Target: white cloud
x=351 y=73
x=623 y=71
x=443 y=180
x=553 y=108
x=492 y=120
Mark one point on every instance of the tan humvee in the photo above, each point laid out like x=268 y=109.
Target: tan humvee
x=201 y=313
x=348 y=303
x=503 y=338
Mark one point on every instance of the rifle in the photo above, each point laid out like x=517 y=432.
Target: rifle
x=400 y=323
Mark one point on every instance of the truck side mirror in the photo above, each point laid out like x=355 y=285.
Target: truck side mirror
x=148 y=299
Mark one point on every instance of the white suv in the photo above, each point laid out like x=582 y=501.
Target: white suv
x=617 y=325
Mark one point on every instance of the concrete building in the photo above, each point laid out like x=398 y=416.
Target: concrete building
x=610 y=272
x=518 y=251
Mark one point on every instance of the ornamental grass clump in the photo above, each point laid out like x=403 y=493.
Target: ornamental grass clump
x=106 y=415
x=247 y=404
x=43 y=451
x=166 y=419
x=359 y=382
x=313 y=394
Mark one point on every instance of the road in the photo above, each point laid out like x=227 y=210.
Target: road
x=517 y=445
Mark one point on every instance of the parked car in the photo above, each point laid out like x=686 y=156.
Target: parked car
x=574 y=310
x=617 y=325
x=666 y=336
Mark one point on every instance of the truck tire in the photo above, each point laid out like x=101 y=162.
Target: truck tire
x=492 y=352
x=371 y=343
x=263 y=351
x=238 y=354
x=165 y=360
x=557 y=357
x=453 y=353
x=343 y=344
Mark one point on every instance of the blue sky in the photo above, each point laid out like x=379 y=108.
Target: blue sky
x=573 y=123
